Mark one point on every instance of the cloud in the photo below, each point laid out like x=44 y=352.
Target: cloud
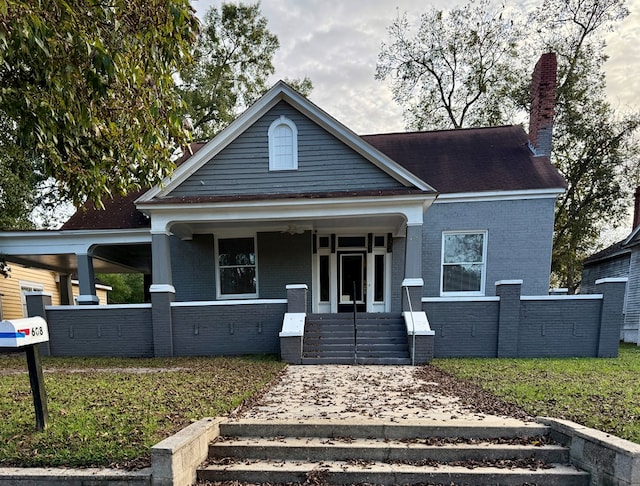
x=336 y=44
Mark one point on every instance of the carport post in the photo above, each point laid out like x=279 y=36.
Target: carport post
x=87 y=280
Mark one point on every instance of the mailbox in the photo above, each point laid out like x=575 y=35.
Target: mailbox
x=25 y=335
x=19 y=333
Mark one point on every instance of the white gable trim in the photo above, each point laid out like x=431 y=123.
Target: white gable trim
x=283 y=92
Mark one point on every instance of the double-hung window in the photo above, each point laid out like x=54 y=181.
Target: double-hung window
x=464 y=255
x=237 y=268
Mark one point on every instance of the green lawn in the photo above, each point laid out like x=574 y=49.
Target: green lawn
x=103 y=411
x=603 y=393
x=100 y=416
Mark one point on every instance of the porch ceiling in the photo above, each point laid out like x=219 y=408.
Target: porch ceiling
x=106 y=259
x=393 y=223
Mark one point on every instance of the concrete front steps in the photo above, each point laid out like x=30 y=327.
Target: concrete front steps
x=380 y=339
x=341 y=452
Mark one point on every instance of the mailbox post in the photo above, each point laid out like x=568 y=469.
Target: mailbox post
x=25 y=335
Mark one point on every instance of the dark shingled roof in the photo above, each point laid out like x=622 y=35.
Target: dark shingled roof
x=470 y=160
x=612 y=251
x=119 y=213
x=451 y=161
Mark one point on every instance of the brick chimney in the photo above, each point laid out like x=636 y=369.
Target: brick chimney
x=636 y=209
x=543 y=99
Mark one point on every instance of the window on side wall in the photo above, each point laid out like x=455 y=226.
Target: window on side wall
x=283 y=144
x=463 y=263
x=237 y=268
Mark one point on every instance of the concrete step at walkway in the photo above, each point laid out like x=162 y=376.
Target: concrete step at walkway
x=363 y=429
x=316 y=449
x=386 y=453
x=354 y=472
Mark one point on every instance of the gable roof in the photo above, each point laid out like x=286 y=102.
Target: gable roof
x=283 y=92
x=471 y=160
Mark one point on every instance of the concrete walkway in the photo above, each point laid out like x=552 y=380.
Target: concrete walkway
x=380 y=393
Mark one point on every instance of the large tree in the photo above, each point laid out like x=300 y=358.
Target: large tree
x=233 y=60
x=431 y=78
x=19 y=180
x=593 y=145
x=455 y=69
x=90 y=88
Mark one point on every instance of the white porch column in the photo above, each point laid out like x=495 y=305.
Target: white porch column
x=87 y=280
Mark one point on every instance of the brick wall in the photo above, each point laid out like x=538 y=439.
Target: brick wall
x=512 y=325
x=100 y=331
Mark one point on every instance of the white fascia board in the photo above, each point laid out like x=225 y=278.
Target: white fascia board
x=411 y=207
x=56 y=242
x=489 y=196
x=283 y=92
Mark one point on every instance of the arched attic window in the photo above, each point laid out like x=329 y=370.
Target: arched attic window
x=283 y=144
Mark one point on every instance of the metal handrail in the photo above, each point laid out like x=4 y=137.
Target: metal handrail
x=413 y=328
x=355 y=326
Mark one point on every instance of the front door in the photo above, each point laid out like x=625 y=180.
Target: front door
x=342 y=260
x=352 y=278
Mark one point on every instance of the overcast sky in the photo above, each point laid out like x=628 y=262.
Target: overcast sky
x=336 y=44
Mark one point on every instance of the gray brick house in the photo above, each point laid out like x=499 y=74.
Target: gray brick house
x=287 y=217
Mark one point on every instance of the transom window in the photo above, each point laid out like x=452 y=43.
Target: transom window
x=463 y=263
x=283 y=144
x=237 y=268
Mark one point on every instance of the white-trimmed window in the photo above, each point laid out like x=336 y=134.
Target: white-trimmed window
x=237 y=271
x=283 y=144
x=464 y=257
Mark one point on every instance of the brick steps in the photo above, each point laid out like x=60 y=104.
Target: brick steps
x=331 y=338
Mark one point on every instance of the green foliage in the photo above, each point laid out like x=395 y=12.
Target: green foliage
x=109 y=412
x=455 y=70
x=603 y=393
x=20 y=176
x=90 y=88
x=593 y=145
x=302 y=86
x=472 y=66
x=127 y=288
x=233 y=59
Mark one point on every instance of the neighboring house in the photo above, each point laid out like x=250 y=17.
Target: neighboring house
x=622 y=259
x=23 y=280
x=287 y=220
